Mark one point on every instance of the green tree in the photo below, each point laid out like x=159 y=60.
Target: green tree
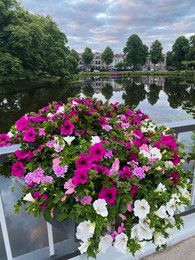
x=107 y=91
x=156 y=52
x=135 y=51
x=107 y=55
x=87 y=56
x=34 y=42
x=180 y=50
x=191 y=53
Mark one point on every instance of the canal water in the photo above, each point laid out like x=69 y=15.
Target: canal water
x=163 y=99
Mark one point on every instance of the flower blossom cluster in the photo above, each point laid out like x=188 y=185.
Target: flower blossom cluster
x=105 y=166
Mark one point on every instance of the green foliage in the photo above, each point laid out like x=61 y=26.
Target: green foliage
x=135 y=51
x=107 y=55
x=32 y=44
x=156 y=52
x=180 y=50
x=87 y=56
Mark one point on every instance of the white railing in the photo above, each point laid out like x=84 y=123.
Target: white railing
x=179 y=127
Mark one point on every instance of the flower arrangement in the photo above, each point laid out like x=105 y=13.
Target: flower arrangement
x=105 y=166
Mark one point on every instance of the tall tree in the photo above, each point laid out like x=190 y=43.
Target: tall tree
x=180 y=50
x=135 y=51
x=31 y=44
x=107 y=55
x=87 y=56
x=156 y=52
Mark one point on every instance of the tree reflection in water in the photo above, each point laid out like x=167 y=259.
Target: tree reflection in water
x=134 y=91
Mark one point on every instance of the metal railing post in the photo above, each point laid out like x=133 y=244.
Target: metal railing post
x=50 y=239
x=5 y=231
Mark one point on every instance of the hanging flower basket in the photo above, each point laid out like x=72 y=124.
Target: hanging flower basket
x=104 y=166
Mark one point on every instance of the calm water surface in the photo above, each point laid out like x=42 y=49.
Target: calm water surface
x=163 y=99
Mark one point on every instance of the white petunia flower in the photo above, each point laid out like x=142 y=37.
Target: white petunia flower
x=69 y=139
x=142 y=231
x=10 y=134
x=141 y=208
x=169 y=165
x=105 y=243
x=84 y=246
x=95 y=140
x=155 y=153
x=170 y=220
x=85 y=230
x=161 y=212
x=159 y=239
x=50 y=115
x=171 y=207
x=29 y=197
x=160 y=188
x=184 y=192
x=121 y=243
x=145 y=154
x=142 y=246
x=100 y=207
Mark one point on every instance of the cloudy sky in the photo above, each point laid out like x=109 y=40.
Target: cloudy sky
x=101 y=23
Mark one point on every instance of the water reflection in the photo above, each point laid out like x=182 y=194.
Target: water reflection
x=151 y=94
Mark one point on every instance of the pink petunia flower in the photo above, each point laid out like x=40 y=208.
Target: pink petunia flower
x=96 y=152
x=22 y=123
x=18 y=169
x=67 y=128
x=4 y=140
x=86 y=200
x=69 y=186
x=84 y=161
x=30 y=135
x=109 y=194
x=80 y=176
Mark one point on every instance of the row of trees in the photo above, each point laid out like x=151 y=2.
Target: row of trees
x=136 y=53
x=32 y=44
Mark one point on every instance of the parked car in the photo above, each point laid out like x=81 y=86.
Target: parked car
x=96 y=71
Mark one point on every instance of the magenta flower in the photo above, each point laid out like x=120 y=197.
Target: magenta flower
x=126 y=172
x=22 y=123
x=67 y=128
x=109 y=194
x=176 y=159
x=4 y=140
x=42 y=197
x=133 y=190
x=80 y=176
x=100 y=169
x=168 y=140
x=84 y=161
x=30 y=135
x=17 y=169
x=96 y=152
x=24 y=155
x=174 y=176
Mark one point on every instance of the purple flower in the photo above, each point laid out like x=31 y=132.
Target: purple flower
x=139 y=172
x=169 y=141
x=96 y=152
x=108 y=154
x=67 y=128
x=59 y=170
x=30 y=135
x=86 y=200
x=17 y=169
x=109 y=194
